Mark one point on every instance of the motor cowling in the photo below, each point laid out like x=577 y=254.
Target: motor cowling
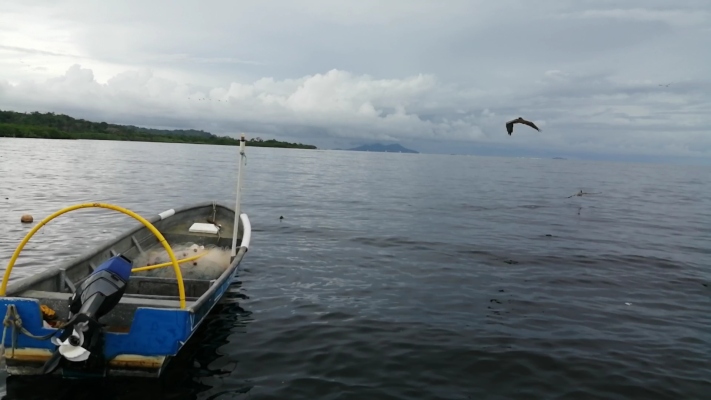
x=81 y=337
x=103 y=289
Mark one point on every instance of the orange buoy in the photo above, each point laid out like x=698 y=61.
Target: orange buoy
x=27 y=218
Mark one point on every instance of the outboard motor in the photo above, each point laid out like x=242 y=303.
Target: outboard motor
x=81 y=338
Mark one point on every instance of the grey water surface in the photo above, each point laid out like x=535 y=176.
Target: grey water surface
x=401 y=276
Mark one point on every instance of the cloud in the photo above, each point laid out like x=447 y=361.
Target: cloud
x=36 y=51
x=673 y=17
x=335 y=102
x=592 y=111
x=587 y=72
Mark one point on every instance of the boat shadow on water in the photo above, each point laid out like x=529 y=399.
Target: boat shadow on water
x=184 y=377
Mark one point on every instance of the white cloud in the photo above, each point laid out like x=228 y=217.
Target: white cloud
x=336 y=102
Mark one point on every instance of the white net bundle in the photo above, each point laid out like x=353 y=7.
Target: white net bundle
x=214 y=261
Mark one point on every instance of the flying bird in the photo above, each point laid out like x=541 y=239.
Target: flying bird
x=519 y=120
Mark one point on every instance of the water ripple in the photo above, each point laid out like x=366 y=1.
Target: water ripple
x=397 y=276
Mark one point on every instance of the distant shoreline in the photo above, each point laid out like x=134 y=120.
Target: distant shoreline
x=279 y=145
x=36 y=125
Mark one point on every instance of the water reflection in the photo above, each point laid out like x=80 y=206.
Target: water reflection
x=195 y=373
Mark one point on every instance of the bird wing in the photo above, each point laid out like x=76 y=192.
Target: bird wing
x=509 y=127
x=531 y=124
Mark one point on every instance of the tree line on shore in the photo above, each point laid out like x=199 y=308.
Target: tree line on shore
x=60 y=126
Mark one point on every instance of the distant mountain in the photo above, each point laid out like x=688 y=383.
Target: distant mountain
x=384 y=148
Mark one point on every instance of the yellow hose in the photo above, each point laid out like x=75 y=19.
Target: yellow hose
x=165 y=264
x=161 y=239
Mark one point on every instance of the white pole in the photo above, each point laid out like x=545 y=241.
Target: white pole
x=241 y=162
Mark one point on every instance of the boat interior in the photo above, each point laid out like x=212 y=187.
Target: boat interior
x=54 y=287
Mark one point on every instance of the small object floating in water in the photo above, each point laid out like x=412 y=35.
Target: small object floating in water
x=629 y=304
x=580 y=193
x=26 y=219
x=281 y=217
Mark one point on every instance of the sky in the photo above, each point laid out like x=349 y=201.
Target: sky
x=625 y=79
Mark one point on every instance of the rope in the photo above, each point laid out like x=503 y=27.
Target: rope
x=2 y=345
x=12 y=319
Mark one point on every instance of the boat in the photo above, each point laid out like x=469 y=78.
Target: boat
x=128 y=306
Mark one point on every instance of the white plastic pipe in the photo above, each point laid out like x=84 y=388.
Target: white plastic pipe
x=242 y=159
x=167 y=213
x=247 y=233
